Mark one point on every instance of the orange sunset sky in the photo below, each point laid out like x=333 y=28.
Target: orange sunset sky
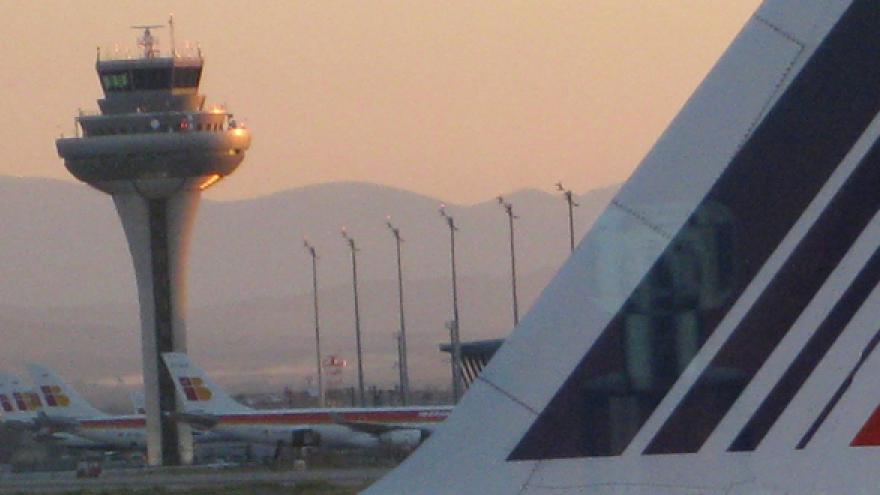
x=457 y=99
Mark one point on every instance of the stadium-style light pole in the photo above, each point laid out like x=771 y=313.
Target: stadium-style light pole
x=508 y=208
x=571 y=206
x=357 y=316
x=402 y=362
x=400 y=359
x=314 y=254
x=457 y=372
x=454 y=324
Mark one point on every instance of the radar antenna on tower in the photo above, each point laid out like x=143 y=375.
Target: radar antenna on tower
x=148 y=41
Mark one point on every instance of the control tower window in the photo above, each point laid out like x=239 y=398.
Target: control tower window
x=116 y=81
x=151 y=79
x=187 y=77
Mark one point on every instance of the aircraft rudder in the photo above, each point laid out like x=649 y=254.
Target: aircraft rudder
x=58 y=397
x=195 y=387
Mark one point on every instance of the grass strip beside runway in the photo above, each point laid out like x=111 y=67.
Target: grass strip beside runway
x=298 y=488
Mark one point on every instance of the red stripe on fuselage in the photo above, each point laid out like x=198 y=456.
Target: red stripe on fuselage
x=294 y=417
x=290 y=417
x=113 y=423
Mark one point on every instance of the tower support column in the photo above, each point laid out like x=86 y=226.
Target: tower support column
x=158 y=230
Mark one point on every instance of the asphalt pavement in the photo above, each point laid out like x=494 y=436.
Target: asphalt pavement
x=178 y=478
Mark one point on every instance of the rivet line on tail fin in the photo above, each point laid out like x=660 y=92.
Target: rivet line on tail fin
x=780 y=81
x=527 y=483
x=508 y=395
x=785 y=34
x=643 y=219
x=808 y=359
x=763 y=191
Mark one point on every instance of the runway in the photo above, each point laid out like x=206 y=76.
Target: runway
x=179 y=479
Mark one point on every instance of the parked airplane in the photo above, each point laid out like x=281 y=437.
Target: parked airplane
x=78 y=424
x=208 y=406
x=18 y=402
x=716 y=330
x=22 y=408
x=67 y=411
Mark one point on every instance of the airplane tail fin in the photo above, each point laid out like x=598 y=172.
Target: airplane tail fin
x=59 y=398
x=18 y=401
x=138 y=402
x=716 y=330
x=198 y=392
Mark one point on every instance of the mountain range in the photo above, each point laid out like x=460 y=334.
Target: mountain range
x=68 y=298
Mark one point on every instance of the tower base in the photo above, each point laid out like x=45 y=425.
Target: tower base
x=158 y=232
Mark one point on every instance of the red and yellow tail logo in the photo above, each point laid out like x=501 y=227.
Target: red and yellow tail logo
x=33 y=400
x=27 y=401
x=5 y=404
x=54 y=396
x=195 y=389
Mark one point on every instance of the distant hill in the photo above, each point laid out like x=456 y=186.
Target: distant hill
x=67 y=289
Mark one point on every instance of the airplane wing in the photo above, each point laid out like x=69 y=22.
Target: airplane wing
x=56 y=423
x=200 y=421
x=375 y=428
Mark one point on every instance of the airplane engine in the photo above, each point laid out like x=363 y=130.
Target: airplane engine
x=305 y=438
x=405 y=439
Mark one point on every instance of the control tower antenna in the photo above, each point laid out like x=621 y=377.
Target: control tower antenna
x=171 y=34
x=153 y=148
x=148 y=41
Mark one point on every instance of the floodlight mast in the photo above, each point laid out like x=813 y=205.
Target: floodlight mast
x=171 y=34
x=508 y=208
x=357 y=316
x=314 y=254
x=455 y=336
x=154 y=149
x=402 y=359
x=569 y=198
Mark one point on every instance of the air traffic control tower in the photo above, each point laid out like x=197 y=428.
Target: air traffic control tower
x=154 y=148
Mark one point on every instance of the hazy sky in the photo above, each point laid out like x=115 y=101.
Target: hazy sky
x=456 y=99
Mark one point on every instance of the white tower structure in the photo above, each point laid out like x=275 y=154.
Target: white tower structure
x=154 y=149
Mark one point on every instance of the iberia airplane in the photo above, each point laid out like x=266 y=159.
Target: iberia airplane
x=19 y=404
x=67 y=411
x=22 y=408
x=206 y=405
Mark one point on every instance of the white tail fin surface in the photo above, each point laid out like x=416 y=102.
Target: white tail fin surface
x=138 y=401
x=18 y=402
x=59 y=398
x=197 y=391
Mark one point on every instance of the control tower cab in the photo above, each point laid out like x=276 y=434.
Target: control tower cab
x=154 y=147
x=153 y=134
